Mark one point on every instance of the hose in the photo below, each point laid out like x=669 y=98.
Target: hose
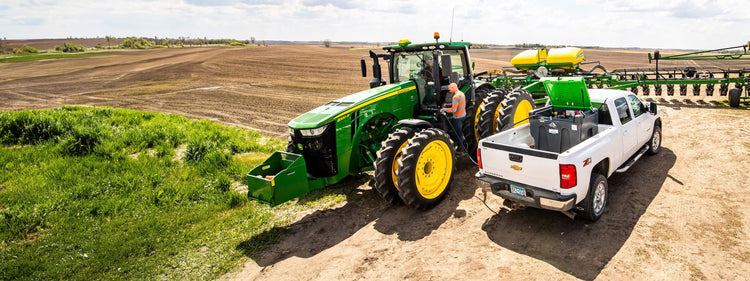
x=463 y=142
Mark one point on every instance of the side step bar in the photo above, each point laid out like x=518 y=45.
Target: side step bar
x=627 y=165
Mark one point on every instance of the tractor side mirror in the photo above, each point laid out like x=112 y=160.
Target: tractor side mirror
x=472 y=66
x=446 y=64
x=652 y=108
x=364 y=67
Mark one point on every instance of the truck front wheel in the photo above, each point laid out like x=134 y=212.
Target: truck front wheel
x=386 y=166
x=654 y=144
x=426 y=169
x=596 y=199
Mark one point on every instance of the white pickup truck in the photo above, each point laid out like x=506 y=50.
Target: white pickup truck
x=575 y=178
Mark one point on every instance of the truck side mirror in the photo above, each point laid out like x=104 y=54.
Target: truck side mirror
x=364 y=67
x=446 y=64
x=652 y=107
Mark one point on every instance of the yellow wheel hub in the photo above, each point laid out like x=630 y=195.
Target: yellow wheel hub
x=522 y=112
x=476 y=120
x=494 y=120
x=394 y=165
x=434 y=168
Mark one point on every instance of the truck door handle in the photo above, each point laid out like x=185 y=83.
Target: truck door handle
x=515 y=158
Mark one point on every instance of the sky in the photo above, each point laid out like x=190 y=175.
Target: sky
x=674 y=24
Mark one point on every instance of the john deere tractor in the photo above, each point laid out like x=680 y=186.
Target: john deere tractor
x=395 y=129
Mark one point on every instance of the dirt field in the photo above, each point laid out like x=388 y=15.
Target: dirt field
x=679 y=215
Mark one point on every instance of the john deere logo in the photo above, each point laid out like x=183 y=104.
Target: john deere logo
x=516 y=167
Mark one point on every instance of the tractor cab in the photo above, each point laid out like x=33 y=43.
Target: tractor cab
x=431 y=66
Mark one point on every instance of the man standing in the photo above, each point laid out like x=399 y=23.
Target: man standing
x=458 y=108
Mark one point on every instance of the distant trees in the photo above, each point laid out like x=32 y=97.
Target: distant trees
x=29 y=50
x=109 y=40
x=529 y=45
x=136 y=43
x=3 y=46
x=70 y=48
x=327 y=43
x=252 y=40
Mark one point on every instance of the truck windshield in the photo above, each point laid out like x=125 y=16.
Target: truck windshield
x=418 y=65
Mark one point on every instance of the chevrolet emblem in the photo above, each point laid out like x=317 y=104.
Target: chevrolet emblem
x=516 y=167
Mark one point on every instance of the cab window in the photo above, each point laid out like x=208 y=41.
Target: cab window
x=604 y=117
x=622 y=110
x=636 y=105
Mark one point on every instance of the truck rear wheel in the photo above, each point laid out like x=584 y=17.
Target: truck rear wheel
x=386 y=166
x=470 y=122
x=488 y=112
x=596 y=199
x=426 y=169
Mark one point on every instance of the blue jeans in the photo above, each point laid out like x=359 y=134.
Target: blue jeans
x=458 y=124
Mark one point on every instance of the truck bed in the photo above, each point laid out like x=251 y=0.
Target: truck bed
x=537 y=168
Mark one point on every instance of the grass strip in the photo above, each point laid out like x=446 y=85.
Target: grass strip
x=101 y=193
x=33 y=57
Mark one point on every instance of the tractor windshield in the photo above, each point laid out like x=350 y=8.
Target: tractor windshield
x=418 y=65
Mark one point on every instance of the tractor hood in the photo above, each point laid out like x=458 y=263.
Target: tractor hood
x=340 y=107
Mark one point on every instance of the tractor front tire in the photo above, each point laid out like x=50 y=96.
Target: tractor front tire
x=426 y=169
x=386 y=165
x=488 y=113
x=291 y=148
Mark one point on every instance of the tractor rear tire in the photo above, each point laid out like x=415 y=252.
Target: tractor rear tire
x=386 y=165
x=734 y=97
x=426 y=169
x=515 y=108
x=488 y=113
x=470 y=122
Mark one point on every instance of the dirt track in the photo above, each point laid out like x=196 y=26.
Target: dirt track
x=679 y=215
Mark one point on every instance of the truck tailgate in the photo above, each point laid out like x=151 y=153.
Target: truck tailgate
x=532 y=167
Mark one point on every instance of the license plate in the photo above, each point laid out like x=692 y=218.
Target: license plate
x=517 y=190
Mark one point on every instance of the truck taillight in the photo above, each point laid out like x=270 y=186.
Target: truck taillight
x=567 y=176
x=479 y=157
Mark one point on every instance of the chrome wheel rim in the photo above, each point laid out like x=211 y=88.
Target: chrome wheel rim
x=599 y=195
x=656 y=140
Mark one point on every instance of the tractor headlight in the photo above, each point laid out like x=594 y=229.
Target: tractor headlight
x=314 y=132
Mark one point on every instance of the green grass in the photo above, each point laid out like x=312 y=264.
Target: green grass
x=46 y=56
x=101 y=193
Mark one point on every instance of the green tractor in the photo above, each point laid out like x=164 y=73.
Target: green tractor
x=395 y=129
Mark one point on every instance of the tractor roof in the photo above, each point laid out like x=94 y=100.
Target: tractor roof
x=405 y=45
